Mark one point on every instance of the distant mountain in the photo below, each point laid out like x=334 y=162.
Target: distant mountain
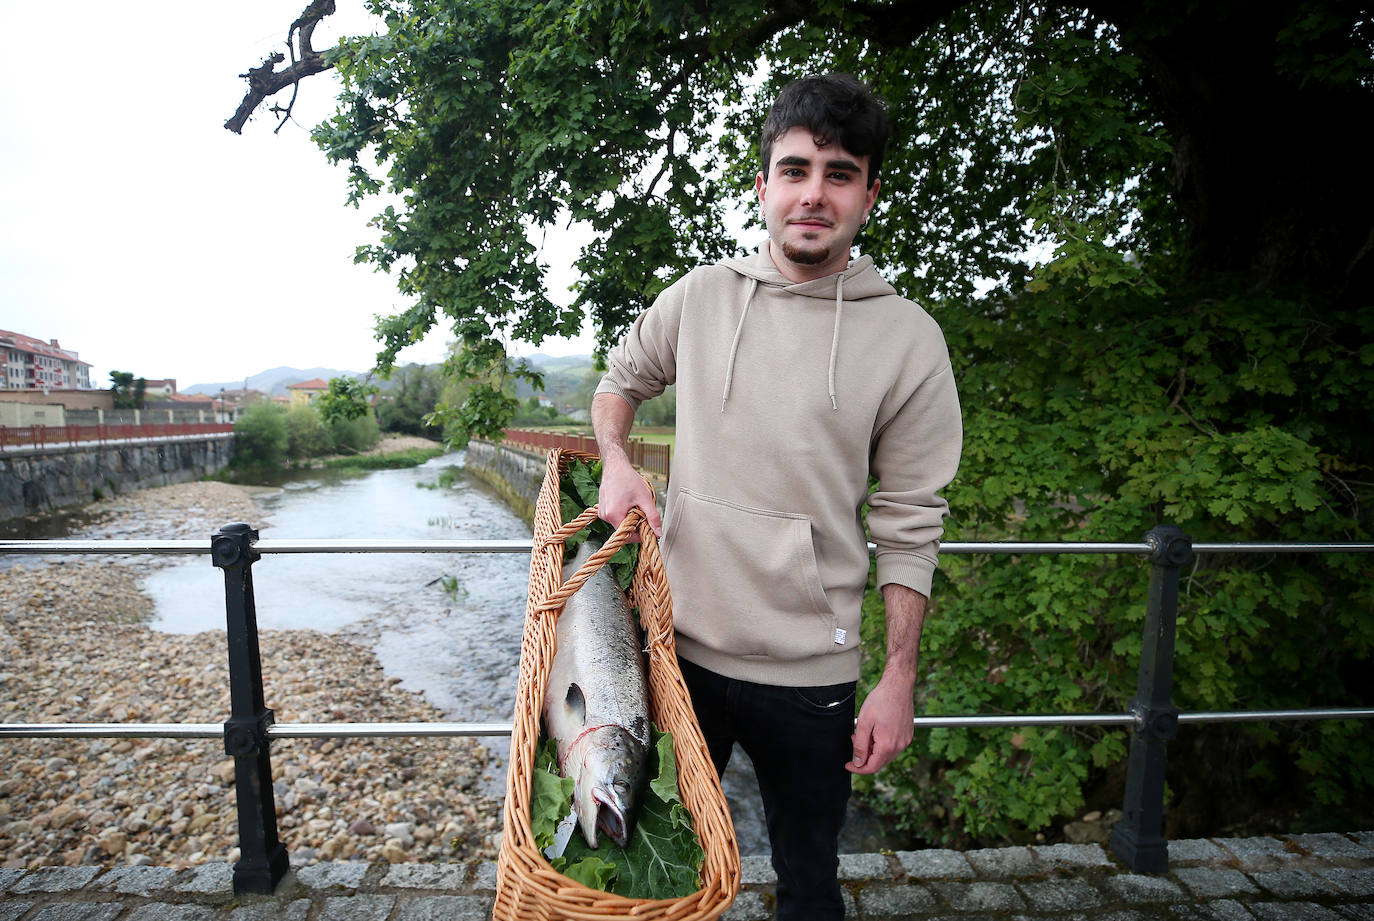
x=561 y=373
x=565 y=379
x=559 y=362
x=273 y=381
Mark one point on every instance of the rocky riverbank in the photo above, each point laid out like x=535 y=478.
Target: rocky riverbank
x=74 y=647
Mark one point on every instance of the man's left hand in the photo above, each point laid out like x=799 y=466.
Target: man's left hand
x=884 y=727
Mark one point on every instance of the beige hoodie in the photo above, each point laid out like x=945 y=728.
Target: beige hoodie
x=788 y=397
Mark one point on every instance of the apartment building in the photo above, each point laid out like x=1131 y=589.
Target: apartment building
x=27 y=363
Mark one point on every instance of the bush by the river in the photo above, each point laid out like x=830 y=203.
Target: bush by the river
x=269 y=437
x=411 y=458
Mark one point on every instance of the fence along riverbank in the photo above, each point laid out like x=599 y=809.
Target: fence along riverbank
x=248 y=733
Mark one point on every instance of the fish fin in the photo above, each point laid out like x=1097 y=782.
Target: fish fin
x=576 y=701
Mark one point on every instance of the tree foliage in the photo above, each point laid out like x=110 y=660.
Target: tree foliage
x=411 y=397
x=306 y=435
x=346 y=399
x=261 y=438
x=128 y=390
x=353 y=436
x=1143 y=227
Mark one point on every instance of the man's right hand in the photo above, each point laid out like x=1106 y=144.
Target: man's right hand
x=622 y=488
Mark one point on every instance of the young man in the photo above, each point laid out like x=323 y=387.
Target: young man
x=799 y=373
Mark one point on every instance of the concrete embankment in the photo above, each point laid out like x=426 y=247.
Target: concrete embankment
x=38 y=480
x=517 y=474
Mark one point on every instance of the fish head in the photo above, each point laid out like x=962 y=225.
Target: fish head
x=607 y=792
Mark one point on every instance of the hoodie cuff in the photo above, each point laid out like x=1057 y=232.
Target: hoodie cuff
x=609 y=386
x=903 y=568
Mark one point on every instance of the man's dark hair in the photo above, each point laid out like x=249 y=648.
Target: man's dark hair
x=833 y=107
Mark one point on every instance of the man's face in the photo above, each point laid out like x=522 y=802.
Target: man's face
x=814 y=200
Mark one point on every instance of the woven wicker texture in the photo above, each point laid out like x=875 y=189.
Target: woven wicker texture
x=526 y=886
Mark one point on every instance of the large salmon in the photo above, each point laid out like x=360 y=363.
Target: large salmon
x=596 y=704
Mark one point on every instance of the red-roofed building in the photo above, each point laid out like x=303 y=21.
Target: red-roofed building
x=164 y=388
x=27 y=363
x=307 y=391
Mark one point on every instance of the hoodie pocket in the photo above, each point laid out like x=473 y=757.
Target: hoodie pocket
x=745 y=581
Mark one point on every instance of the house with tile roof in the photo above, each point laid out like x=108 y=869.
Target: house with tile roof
x=27 y=363
x=306 y=392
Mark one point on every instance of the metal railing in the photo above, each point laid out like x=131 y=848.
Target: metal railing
x=40 y=436
x=248 y=733
x=649 y=457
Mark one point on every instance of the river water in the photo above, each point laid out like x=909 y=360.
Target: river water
x=447 y=625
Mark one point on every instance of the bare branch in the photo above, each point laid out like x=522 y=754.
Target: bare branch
x=265 y=80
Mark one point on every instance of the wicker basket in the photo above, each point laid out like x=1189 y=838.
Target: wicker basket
x=526 y=886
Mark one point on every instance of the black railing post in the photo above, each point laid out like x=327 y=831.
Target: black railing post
x=1138 y=838
x=262 y=858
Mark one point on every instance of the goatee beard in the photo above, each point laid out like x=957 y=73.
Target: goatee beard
x=800 y=256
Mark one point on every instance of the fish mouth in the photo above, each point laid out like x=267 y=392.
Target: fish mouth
x=610 y=817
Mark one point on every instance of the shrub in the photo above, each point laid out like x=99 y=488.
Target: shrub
x=306 y=434
x=1227 y=414
x=353 y=436
x=261 y=439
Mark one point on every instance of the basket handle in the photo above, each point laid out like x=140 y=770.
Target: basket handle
x=559 y=596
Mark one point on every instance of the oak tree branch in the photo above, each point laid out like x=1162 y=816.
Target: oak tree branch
x=265 y=80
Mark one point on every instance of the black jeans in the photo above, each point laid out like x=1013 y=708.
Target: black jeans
x=799 y=741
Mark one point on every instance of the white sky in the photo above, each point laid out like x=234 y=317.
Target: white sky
x=140 y=233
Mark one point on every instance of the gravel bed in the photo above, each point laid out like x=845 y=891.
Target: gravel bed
x=74 y=647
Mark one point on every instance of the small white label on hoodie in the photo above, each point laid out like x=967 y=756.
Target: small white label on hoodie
x=839 y=637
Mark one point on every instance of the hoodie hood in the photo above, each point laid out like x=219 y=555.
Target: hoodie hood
x=857 y=282
x=860 y=280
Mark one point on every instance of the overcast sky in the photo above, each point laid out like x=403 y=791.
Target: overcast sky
x=137 y=231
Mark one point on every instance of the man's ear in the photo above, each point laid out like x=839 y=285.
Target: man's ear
x=760 y=187
x=872 y=196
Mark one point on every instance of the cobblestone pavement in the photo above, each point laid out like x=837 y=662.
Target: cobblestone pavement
x=1325 y=877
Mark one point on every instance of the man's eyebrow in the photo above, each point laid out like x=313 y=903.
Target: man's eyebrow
x=845 y=164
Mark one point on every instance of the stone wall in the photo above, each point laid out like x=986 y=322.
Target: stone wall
x=38 y=481
x=517 y=475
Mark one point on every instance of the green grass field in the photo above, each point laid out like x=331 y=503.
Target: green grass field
x=658 y=436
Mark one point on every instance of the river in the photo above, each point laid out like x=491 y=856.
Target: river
x=448 y=625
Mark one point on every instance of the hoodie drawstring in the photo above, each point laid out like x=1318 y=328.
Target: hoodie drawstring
x=834 y=343
x=835 y=339
x=734 y=344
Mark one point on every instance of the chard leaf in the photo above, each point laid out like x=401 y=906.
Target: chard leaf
x=663 y=859
x=623 y=565
x=571 y=508
x=550 y=794
x=591 y=871
x=664 y=783
x=586 y=480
